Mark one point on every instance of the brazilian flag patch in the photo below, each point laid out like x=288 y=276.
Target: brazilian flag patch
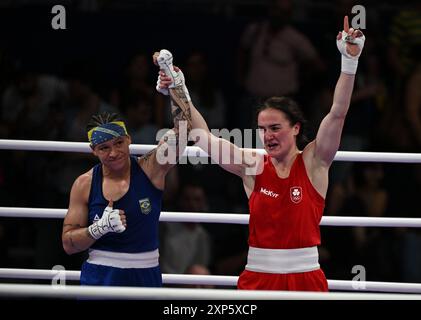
x=145 y=205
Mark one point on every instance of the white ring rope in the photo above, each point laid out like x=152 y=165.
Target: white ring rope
x=233 y=218
x=216 y=280
x=65 y=146
x=208 y=294
x=192 y=151
x=100 y=292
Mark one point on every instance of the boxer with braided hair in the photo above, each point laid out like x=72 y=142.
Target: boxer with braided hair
x=114 y=208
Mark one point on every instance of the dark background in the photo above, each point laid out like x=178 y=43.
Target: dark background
x=102 y=36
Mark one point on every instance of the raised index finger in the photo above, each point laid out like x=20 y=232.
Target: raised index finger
x=346 y=24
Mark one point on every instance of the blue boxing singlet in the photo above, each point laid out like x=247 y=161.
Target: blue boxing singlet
x=129 y=258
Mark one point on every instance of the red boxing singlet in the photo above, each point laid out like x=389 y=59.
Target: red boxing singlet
x=284 y=214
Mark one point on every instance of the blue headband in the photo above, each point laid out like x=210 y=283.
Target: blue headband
x=106 y=132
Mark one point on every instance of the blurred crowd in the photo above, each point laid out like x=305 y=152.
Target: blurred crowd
x=233 y=55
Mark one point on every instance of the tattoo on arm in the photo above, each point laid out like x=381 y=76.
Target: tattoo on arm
x=147 y=155
x=181 y=113
x=180 y=108
x=182 y=118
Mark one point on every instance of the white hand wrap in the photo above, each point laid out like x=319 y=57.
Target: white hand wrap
x=349 y=62
x=164 y=60
x=109 y=222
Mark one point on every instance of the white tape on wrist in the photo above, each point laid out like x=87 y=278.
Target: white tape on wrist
x=349 y=63
x=186 y=92
x=349 y=66
x=109 y=222
x=95 y=231
x=165 y=62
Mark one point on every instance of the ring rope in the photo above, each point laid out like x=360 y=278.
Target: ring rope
x=232 y=218
x=217 y=280
x=74 y=291
x=151 y=293
x=192 y=151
